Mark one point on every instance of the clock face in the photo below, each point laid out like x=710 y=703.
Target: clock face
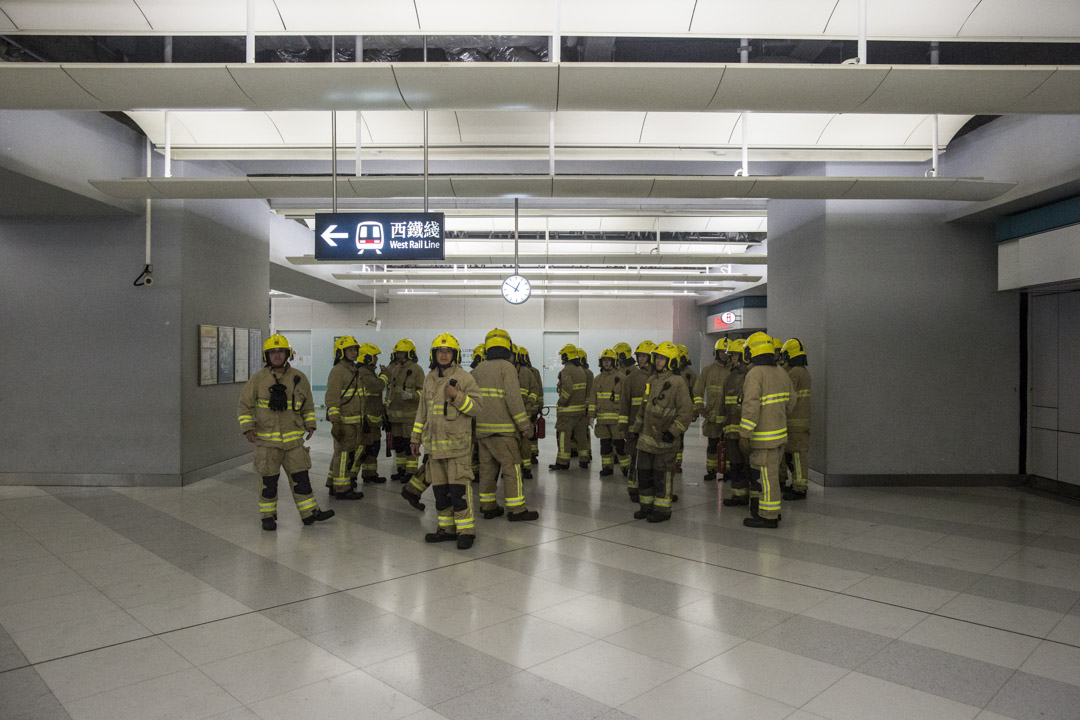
x=516 y=289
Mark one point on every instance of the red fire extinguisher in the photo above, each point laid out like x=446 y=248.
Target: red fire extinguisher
x=541 y=428
x=721 y=459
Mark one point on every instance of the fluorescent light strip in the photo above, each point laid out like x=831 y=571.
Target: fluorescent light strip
x=527 y=271
x=494 y=283
x=469 y=292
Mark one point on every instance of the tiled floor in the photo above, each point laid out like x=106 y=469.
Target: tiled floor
x=866 y=603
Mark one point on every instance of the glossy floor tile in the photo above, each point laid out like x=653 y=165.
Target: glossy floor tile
x=888 y=603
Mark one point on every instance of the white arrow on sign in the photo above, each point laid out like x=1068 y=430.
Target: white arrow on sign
x=329 y=235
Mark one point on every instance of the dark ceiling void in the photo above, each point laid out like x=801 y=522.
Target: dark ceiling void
x=501 y=48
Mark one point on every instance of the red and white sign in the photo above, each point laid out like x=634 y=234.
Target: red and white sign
x=728 y=318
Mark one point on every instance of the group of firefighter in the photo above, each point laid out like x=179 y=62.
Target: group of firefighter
x=479 y=426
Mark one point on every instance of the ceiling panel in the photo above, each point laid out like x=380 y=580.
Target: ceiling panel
x=977 y=190
x=783 y=188
x=671 y=128
x=374 y=16
x=1059 y=94
x=700 y=187
x=397 y=186
x=478 y=86
x=738 y=224
x=85 y=15
x=954 y=89
x=474 y=17
x=630 y=17
x=516 y=186
x=309 y=187
x=895 y=188
x=857 y=130
x=684 y=224
x=230 y=128
x=152 y=123
x=1010 y=18
x=661 y=87
x=387 y=127
x=598 y=128
x=314 y=86
x=313 y=128
x=603 y=186
x=780 y=129
x=29 y=86
x=147 y=87
x=213 y=188
x=574 y=224
x=948 y=126
x=909 y=19
x=799 y=88
x=5 y=22
x=763 y=18
x=505 y=128
x=128 y=188
x=211 y=16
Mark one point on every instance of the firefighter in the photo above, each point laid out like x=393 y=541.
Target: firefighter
x=797 y=450
x=500 y=424
x=275 y=411
x=345 y=411
x=606 y=412
x=582 y=437
x=531 y=392
x=665 y=414
x=404 y=380
x=624 y=355
x=477 y=356
x=630 y=397
x=690 y=377
x=737 y=471
x=535 y=442
x=572 y=406
x=767 y=401
x=709 y=402
x=449 y=399
x=372 y=382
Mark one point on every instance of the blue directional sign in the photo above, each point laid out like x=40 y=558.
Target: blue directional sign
x=380 y=237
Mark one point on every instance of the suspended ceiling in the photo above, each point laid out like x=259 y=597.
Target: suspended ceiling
x=934 y=19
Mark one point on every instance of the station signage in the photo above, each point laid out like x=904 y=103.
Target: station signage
x=380 y=237
x=730 y=320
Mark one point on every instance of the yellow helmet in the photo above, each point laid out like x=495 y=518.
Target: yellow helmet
x=667 y=350
x=582 y=355
x=758 y=344
x=276 y=341
x=793 y=348
x=343 y=342
x=735 y=348
x=777 y=344
x=623 y=351
x=721 y=345
x=609 y=353
x=369 y=354
x=445 y=340
x=523 y=354
x=497 y=338
x=406 y=346
x=477 y=354
x=568 y=352
x=646 y=347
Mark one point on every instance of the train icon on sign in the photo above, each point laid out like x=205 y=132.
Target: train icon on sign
x=728 y=318
x=370 y=236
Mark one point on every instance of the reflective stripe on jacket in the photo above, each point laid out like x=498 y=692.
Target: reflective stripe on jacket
x=344 y=399
x=503 y=412
x=767 y=400
x=277 y=428
x=606 y=387
x=443 y=427
x=799 y=419
x=666 y=407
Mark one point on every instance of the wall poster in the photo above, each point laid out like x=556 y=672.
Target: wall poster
x=208 y=354
x=240 y=350
x=225 y=355
x=255 y=358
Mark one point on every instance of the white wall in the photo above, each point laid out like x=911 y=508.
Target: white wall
x=599 y=323
x=1048 y=257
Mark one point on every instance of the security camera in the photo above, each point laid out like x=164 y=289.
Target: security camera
x=146 y=277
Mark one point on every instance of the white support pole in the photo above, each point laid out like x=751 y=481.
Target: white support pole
x=149 y=161
x=425 y=160
x=934 y=168
x=745 y=122
x=333 y=155
x=862 y=32
x=556 y=35
x=517 y=265
x=359 y=57
x=744 y=50
x=168 y=144
x=250 y=38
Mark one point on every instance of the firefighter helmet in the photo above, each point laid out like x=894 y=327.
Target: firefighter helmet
x=735 y=348
x=277 y=341
x=582 y=355
x=497 y=338
x=667 y=350
x=793 y=348
x=568 y=352
x=777 y=344
x=445 y=340
x=758 y=344
x=623 y=351
x=645 y=347
x=369 y=354
x=406 y=346
x=340 y=345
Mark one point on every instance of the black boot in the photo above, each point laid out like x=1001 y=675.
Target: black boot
x=414 y=500
x=736 y=500
x=374 y=479
x=584 y=464
x=398 y=476
x=643 y=513
x=526 y=474
x=440 y=535
x=464 y=542
x=559 y=466
x=269 y=524
x=493 y=513
x=655 y=517
x=710 y=476
x=794 y=494
x=607 y=472
x=633 y=496
x=318 y=516
x=760 y=522
x=523 y=516
x=347 y=495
